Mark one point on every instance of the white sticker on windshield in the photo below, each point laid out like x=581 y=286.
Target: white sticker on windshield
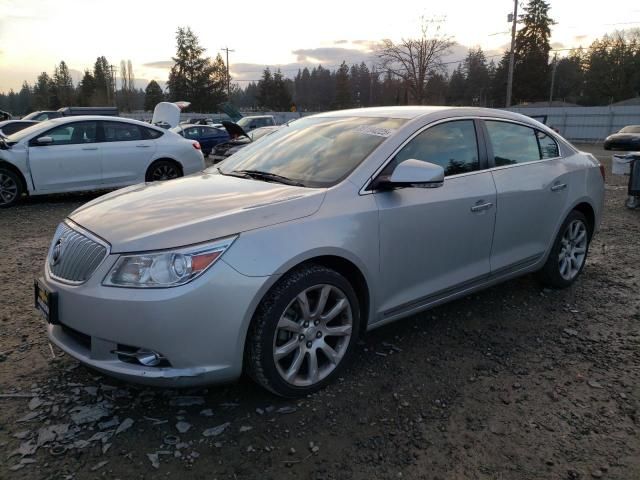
x=377 y=131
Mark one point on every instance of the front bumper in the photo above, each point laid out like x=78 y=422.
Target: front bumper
x=199 y=328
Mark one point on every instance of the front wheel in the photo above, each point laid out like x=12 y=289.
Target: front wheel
x=303 y=332
x=569 y=252
x=10 y=188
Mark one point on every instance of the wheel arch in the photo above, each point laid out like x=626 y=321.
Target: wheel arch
x=165 y=158
x=16 y=170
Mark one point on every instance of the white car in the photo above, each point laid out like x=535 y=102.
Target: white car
x=91 y=153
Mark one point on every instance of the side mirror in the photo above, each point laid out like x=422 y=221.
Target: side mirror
x=45 y=140
x=414 y=173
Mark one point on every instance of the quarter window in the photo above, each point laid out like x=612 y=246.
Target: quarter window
x=548 y=146
x=72 y=134
x=451 y=145
x=121 y=132
x=151 y=133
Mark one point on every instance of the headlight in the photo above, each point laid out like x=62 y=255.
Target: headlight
x=167 y=268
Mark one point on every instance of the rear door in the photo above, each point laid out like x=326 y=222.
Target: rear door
x=532 y=183
x=71 y=162
x=126 y=153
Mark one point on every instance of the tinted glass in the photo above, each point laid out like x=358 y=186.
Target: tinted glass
x=121 y=132
x=315 y=151
x=512 y=143
x=548 y=146
x=14 y=127
x=192 y=132
x=151 y=133
x=72 y=133
x=451 y=145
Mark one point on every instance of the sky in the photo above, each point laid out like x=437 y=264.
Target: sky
x=36 y=34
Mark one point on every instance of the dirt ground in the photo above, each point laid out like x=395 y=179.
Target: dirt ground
x=515 y=382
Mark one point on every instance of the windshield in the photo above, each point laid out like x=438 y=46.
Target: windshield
x=631 y=129
x=314 y=151
x=243 y=121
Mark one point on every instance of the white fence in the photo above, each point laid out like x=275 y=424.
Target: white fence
x=590 y=124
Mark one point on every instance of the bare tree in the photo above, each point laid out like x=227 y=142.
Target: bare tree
x=415 y=60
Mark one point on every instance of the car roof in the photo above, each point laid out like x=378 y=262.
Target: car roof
x=77 y=118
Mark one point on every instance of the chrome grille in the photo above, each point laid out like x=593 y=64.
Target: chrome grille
x=73 y=257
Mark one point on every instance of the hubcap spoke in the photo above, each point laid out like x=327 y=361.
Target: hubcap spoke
x=331 y=354
x=573 y=250
x=289 y=325
x=313 y=367
x=335 y=310
x=287 y=348
x=294 y=368
x=339 y=331
x=322 y=301
x=303 y=303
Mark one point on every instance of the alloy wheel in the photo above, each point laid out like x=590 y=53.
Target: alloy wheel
x=164 y=172
x=8 y=189
x=573 y=249
x=312 y=335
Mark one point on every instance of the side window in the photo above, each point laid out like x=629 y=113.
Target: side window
x=452 y=145
x=193 y=133
x=548 y=146
x=121 y=132
x=152 y=134
x=72 y=134
x=512 y=143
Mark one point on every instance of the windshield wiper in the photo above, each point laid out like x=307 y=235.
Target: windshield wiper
x=267 y=176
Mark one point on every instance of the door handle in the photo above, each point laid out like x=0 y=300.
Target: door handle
x=558 y=186
x=143 y=146
x=90 y=148
x=479 y=206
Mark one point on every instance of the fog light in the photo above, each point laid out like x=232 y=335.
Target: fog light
x=148 y=359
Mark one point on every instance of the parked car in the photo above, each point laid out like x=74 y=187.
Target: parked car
x=42 y=115
x=91 y=153
x=238 y=139
x=9 y=127
x=207 y=136
x=256 y=121
x=274 y=261
x=4 y=115
x=626 y=139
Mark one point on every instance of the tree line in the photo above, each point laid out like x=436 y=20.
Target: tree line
x=410 y=71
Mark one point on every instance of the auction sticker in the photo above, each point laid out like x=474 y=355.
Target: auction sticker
x=377 y=131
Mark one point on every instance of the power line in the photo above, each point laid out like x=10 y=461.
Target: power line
x=226 y=49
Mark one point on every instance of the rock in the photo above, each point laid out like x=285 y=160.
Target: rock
x=245 y=428
x=183 y=427
x=25 y=448
x=106 y=447
x=51 y=433
x=154 y=459
x=594 y=384
x=35 y=402
x=110 y=424
x=596 y=474
x=186 y=401
x=29 y=416
x=22 y=435
x=124 y=426
x=259 y=411
x=207 y=412
x=89 y=413
x=315 y=449
x=22 y=464
x=571 y=332
x=99 y=465
x=286 y=410
x=93 y=391
x=215 y=431
x=250 y=449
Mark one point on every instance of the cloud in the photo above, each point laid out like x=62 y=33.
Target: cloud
x=330 y=55
x=159 y=64
x=580 y=38
x=340 y=42
x=558 y=45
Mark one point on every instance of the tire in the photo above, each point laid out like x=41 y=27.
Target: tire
x=568 y=255
x=163 y=170
x=10 y=188
x=281 y=328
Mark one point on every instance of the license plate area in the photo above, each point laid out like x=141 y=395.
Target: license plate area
x=45 y=301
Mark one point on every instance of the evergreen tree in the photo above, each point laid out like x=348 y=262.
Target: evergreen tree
x=24 y=99
x=265 y=89
x=103 y=80
x=569 y=78
x=41 y=92
x=63 y=85
x=343 y=89
x=457 y=88
x=531 y=72
x=152 y=96
x=281 y=96
x=498 y=85
x=476 y=74
x=86 y=89
x=364 y=85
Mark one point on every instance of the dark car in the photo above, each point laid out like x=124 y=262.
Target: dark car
x=207 y=136
x=238 y=139
x=9 y=127
x=626 y=139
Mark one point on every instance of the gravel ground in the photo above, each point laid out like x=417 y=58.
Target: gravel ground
x=515 y=382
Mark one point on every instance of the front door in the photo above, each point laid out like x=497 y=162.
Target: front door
x=71 y=162
x=435 y=240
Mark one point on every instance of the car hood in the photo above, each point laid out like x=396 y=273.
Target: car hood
x=623 y=136
x=234 y=129
x=194 y=209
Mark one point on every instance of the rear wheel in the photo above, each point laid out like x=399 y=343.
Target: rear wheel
x=569 y=252
x=303 y=332
x=10 y=188
x=163 y=170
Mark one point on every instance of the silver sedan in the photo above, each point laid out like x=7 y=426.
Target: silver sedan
x=277 y=259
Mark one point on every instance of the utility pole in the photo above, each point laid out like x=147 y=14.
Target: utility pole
x=512 y=53
x=553 y=77
x=111 y=88
x=226 y=49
